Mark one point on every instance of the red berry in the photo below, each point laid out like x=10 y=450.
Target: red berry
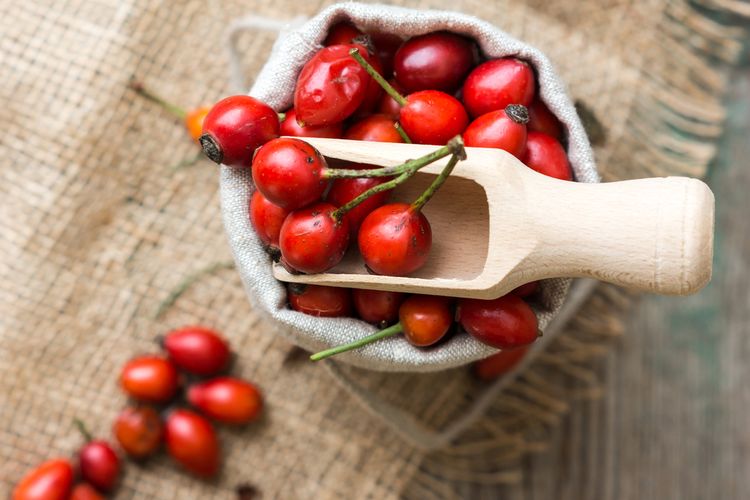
x=341 y=34
x=267 y=219
x=139 y=431
x=503 y=129
x=149 y=378
x=526 y=289
x=331 y=86
x=227 y=400
x=499 y=363
x=192 y=441
x=372 y=93
x=289 y=126
x=504 y=323
x=495 y=84
x=547 y=156
x=235 y=127
x=52 y=480
x=289 y=173
x=541 y=119
x=433 y=117
x=425 y=319
x=311 y=240
x=320 y=301
x=198 y=350
x=395 y=240
x=435 y=61
x=386 y=46
x=374 y=128
x=99 y=465
x=84 y=491
x=388 y=106
x=345 y=190
x=376 y=306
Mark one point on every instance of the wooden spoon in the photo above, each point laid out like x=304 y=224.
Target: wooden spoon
x=497 y=224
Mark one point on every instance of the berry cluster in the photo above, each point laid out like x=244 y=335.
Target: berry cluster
x=202 y=356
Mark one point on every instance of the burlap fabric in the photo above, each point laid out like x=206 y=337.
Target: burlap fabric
x=97 y=230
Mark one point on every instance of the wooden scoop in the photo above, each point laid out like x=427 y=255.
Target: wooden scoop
x=497 y=224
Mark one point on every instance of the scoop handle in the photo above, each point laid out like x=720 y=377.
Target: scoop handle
x=654 y=235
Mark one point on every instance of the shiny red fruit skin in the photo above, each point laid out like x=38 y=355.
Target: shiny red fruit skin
x=386 y=46
x=341 y=34
x=139 y=431
x=425 y=319
x=376 y=306
x=374 y=128
x=239 y=125
x=289 y=126
x=546 y=155
x=150 y=378
x=541 y=119
x=331 y=86
x=311 y=241
x=266 y=219
x=84 y=491
x=498 y=364
x=435 y=61
x=226 y=399
x=497 y=130
x=52 y=480
x=495 y=84
x=433 y=117
x=526 y=290
x=344 y=190
x=99 y=465
x=198 y=350
x=394 y=240
x=192 y=441
x=504 y=323
x=289 y=173
x=320 y=301
x=388 y=106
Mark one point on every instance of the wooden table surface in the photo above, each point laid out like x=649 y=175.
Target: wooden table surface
x=675 y=419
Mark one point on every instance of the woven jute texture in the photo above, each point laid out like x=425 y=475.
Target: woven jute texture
x=97 y=230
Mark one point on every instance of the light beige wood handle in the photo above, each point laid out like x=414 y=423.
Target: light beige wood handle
x=654 y=235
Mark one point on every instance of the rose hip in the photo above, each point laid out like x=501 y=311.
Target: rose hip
x=435 y=61
x=139 y=431
x=345 y=190
x=149 y=378
x=342 y=34
x=547 y=156
x=526 y=290
x=99 y=465
x=373 y=92
x=266 y=219
x=52 y=480
x=503 y=129
x=289 y=173
x=330 y=87
x=386 y=46
x=374 y=128
x=84 y=491
x=388 y=106
x=495 y=84
x=227 y=400
x=498 y=364
x=320 y=301
x=235 y=127
x=541 y=119
x=192 y=441
x=289 y=126
x=198 y=350
x=312 y=240
x=504 y=323
x=376 y=306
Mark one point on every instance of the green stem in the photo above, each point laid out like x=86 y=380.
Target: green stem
x=171 y=108
x=401 y=100
x=187 y=283
x=430 y=191
x=343 y=209
x=282 y=116
x=388 y=332
x=402 y=132
x=83 y=430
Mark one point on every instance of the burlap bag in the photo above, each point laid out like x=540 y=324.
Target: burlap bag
x=275 y=85
x=97 y=232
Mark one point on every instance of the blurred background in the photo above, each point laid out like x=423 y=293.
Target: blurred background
x=107 y=210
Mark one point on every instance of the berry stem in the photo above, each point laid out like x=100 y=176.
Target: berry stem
x=432 y=188
x=401 y=100
x=83 y=430
x=282 y=116
x=387 y=332
x=402 y=132
x=168 y=106
x=343 y=209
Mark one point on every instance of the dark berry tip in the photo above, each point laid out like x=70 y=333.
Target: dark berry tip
x=211 y=148
x=518 y=113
